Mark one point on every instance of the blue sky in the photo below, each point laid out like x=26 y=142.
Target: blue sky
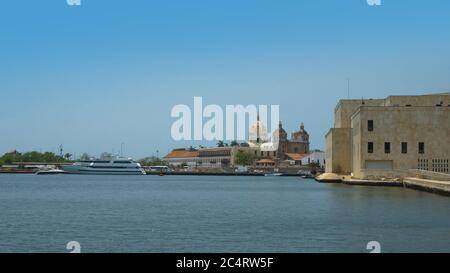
x=106 y=72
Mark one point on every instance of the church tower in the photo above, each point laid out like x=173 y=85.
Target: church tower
x=299 y=142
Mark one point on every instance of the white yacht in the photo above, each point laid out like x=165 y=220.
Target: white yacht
x=108 y=167
x=50 y=171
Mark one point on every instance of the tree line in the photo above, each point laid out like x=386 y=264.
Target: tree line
x=34 y=156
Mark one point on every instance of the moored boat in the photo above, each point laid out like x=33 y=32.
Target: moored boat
x=49 y=171
x=118 y=166
x=273 y=174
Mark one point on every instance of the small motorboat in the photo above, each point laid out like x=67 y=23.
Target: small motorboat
x=50 y=171
x=273 y=174
x=305 y=174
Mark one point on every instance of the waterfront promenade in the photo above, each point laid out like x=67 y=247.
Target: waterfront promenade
x=440 y=187
x=438 y=183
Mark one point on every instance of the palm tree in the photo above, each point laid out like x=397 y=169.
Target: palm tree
x=67 y=156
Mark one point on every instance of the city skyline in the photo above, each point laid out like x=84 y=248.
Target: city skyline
x=94 y=76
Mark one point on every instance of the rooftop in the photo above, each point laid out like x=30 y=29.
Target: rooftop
x=182 y=154
x=295 y=156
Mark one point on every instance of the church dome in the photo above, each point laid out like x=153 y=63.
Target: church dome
x=301 y=135
x=280 y=134
x=258 y=132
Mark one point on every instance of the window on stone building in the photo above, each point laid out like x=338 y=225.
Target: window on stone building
x=404 y=147
x=274 y=153
x=421 y=148
x=370 y=125
x=387 y=147
x=422 y=164
x=370 y=147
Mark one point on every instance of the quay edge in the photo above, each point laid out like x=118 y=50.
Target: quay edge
x=441 y=187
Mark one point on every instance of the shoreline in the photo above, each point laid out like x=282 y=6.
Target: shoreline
x=17 y=172
x=431 y=186
x=180 y=174
x=424 y=185
x=221 y=174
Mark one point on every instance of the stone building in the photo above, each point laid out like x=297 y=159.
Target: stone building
x=280 y=148
x=386 y=137
x=214 y=157
x=202 y=158
x=179 y=157
x=297 y=144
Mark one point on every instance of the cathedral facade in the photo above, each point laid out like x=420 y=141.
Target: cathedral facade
x=297 y=144
x=280 y=147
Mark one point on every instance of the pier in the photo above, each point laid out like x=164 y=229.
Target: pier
x=433 y=186
x=433 y=182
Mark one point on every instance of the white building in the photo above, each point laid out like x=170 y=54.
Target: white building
x=315 y=156
x=202 y=158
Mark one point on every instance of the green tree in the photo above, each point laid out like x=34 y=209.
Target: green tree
x=32 y=156
x=220 y=143
x=51 y=157
x=244 y=159
x=151 y=161
x=67 y=156
x=9 y=158
x=234 y=143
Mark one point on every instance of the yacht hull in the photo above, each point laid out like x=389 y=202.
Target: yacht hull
x=101 y=171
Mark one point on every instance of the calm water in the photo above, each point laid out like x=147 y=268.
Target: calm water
x=215 y=214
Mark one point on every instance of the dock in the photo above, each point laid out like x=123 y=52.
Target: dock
x=218 y=174
x=427 y=181
x=433 y=186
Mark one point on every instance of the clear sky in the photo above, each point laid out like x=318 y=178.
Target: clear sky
x=109 y=71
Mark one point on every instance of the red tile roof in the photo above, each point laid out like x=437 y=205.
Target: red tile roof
x=296 y=156
x=265 y=161
x=182 y=154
